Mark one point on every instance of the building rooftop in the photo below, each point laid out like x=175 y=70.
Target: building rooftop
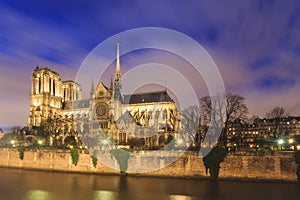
x=148 y=97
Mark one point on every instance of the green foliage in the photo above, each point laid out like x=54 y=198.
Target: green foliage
x=70 y=140
x=21 y=151
x=95 y=161
x=169 y=139
x=122 y=156
x=94 y=158
x=212 y=161
x=5 y=140
x=74 y=156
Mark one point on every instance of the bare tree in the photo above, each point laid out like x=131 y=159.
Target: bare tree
x=276 y=122
x=277 y=112
x=251 y=119
x=190 y=124
x=218 y=111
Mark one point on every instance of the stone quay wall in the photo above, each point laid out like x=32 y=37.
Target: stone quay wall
x=189 y=165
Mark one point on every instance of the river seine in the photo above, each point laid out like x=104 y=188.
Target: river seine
x=34 y=185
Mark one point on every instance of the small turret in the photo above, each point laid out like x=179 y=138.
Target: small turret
x=92 y=91
x=111 y=86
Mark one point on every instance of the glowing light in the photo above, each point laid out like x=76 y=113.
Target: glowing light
x=40 y=142
x=39 y=195
x=298 y=147
x=180 y=197
x=36 y=104
x=291 y=140
x=105 y=142
x=102 y=194
x=12 y=142
x=280 y=141
x=179 y=141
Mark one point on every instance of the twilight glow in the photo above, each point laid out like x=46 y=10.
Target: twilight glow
x=255 y=44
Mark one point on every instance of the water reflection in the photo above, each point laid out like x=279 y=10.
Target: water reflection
x=121 y=193
x=213 y=190
x=32 y=185
x=39 y=195
x=123 y=188
x=105 y=195
x=180 y=197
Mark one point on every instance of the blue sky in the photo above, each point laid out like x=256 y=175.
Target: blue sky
x=255 y=44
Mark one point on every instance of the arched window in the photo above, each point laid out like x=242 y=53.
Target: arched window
x=40 y=82
x=165 y=114
x=49 y=85
x=54 y=87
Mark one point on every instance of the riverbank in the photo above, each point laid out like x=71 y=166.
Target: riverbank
x=188 y=166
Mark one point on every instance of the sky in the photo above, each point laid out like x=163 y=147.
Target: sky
x=255 y=44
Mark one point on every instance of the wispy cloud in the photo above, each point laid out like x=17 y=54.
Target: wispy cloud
x=255 y=44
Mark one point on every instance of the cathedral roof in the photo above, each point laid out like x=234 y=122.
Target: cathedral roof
x=85 y=103
x=126 y=117
x=148 y=97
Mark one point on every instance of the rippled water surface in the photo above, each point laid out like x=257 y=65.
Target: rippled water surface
x=32 y=185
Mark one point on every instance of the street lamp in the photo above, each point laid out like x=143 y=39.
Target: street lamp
x=280 y=143
x=13 y=142
x=291 y=141
x=40 y=143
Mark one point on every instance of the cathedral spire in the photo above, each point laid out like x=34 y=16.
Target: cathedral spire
x=92 y=88
x=118 y=68
x=111 y=86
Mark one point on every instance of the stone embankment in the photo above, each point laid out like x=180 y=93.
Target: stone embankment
x=189 y=165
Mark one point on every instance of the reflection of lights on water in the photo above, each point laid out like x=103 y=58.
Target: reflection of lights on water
x=105 y=195
x=180 y=197
x=39 y=195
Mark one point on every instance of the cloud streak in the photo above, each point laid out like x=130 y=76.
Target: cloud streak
x=255 y=44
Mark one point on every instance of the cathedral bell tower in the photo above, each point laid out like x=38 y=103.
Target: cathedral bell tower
x=45 y=96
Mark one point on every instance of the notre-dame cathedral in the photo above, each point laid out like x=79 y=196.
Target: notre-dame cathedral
x=151 y=117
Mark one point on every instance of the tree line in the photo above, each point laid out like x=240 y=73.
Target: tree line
x=211 y=118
